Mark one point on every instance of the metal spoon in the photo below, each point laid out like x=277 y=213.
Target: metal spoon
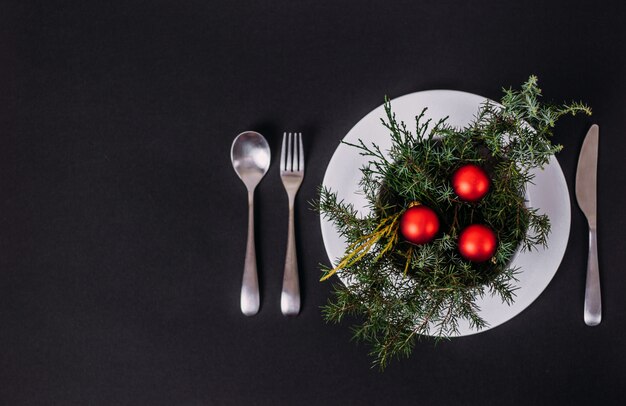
x=250 y=155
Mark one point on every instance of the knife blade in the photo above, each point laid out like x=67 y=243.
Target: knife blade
x=586 y=195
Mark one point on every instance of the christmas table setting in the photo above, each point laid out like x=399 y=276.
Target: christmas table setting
x=432 y=213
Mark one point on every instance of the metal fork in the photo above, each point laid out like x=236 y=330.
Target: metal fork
x=291 y=173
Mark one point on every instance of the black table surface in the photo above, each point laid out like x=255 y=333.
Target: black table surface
x=123 y=225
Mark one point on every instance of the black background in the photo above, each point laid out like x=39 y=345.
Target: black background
x=122 y=223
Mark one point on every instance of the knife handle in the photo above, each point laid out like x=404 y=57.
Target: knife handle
x=593 y=302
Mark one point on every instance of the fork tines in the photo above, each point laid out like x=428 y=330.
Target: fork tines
x=292 y=153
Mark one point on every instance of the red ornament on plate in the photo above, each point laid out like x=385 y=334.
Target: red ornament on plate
x=470 y=182
x=419 y=224
x=477 y=243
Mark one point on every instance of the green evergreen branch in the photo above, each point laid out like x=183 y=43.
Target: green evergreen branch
x=401 y=292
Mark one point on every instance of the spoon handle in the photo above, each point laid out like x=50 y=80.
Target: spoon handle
x=250 y=285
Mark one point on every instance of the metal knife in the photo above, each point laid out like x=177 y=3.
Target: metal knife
x=586 y=176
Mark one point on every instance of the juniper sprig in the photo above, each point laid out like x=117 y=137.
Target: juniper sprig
x=401 y=291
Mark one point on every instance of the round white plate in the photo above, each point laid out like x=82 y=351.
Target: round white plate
x=549 y=194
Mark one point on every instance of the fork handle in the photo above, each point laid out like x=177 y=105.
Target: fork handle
x=250 y=299
x=593 y=302
x=290 y=296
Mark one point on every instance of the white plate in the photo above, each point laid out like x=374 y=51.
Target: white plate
x=549 y=194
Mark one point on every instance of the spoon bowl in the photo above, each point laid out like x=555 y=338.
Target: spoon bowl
x=250 y=155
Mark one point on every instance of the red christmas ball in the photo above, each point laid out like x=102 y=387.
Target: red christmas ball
x=477 y=243
x=470 y=182
x=419 y=224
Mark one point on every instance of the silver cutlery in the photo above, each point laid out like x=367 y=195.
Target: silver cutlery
x=250 y=155
x=291 y=173
x=586 y=176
